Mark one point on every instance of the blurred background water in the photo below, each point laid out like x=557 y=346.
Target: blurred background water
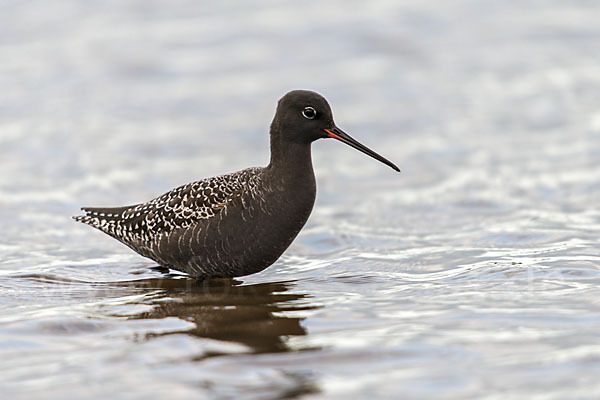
x=475 y=273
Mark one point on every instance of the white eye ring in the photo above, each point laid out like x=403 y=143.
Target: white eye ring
x=309 y=113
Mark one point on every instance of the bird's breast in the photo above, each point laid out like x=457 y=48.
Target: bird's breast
x=258 y=227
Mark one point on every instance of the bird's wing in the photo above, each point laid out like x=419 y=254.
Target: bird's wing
x=179 y=208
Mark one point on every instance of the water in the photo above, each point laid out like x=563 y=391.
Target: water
x=475 y=273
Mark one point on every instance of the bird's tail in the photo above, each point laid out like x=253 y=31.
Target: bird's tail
x=103 y=218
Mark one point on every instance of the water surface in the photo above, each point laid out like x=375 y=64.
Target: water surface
x=474 y=273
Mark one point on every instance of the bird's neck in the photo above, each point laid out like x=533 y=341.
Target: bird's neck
x=291 y=161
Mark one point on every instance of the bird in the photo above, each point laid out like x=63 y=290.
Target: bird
x=239 y=223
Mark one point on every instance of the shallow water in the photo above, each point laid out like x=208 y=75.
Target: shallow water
x=475 y=273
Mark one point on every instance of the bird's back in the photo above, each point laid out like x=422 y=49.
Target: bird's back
x=144 y=226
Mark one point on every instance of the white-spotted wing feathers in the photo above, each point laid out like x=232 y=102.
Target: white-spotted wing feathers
x=179 y=208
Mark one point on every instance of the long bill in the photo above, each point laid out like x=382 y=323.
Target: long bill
x=338 y=134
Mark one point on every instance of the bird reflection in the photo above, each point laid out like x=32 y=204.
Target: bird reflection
x=259 y=316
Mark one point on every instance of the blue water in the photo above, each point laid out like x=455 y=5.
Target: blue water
x=475 y=273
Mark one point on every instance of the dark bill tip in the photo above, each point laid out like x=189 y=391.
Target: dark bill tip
x=338 y=134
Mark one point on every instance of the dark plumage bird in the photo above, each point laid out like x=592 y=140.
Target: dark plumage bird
x=240 y=223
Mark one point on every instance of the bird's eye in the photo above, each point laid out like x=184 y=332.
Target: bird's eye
x=309 y=113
